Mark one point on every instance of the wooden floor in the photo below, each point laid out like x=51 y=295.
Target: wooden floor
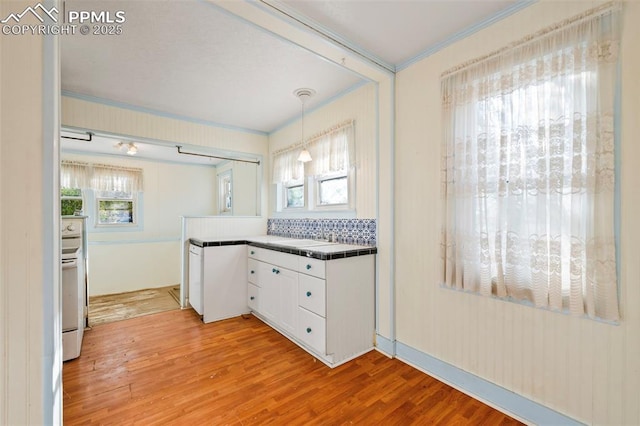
x=170 y=368
x=117 y=307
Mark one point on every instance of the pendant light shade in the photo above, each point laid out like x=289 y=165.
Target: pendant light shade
x=303 y=95
x=304 y=156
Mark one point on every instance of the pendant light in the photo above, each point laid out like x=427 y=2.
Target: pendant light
x=303 y=95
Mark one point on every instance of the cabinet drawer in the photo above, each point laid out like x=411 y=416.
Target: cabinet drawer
x=284 y=260
x=312 y=330
x=253 y=252
x=277 y=258
x=252 y=271
x=311 y=266
x=253 y=299
x=311 y=294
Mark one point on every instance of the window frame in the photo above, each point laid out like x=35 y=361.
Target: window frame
x=132 y=198
x=318 y=180
x=285 y=190
x=223 y=178
x=311 y=191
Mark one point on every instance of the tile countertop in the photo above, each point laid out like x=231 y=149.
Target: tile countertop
x=316 y=249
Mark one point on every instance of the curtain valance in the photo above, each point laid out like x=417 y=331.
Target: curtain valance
x=74 y=174
x=332 y=151
x=100 y=177
x=115 y=178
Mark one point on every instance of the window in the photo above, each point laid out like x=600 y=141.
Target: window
x=116 y=191
x=294 y=195
x=71 y=201
x=528 y=172
x=116 y=208
x=333 y=191
x=325 y=183
x=225 y=191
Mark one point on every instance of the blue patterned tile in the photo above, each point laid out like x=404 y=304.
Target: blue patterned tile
x=348 y=231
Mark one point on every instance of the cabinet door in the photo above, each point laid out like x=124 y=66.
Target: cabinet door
x=288 y=310
x=195 y=279
x=224 y=281
x=254 y=297
x=270 y=292
x=279 y=295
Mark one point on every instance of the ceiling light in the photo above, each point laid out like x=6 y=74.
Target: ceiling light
x=304 y=156
x=132 y=149
x=303 y=95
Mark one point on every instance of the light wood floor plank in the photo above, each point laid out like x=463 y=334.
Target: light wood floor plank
x=170 y=368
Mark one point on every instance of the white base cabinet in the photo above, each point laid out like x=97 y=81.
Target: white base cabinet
x=326 y=307
x=224 y=277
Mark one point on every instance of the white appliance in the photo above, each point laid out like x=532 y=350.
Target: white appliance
x=218 y=281
x=74 y=290
x=195 y=278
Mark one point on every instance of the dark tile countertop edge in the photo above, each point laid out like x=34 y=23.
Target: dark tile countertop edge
x=305 y=252
x=201 y=243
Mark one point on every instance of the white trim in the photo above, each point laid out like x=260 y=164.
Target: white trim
x=304 y=22
x=385 y=346
x=158 y=113
x=290 y=30
x=504 y=400
x=139 y=241
x=51 y=361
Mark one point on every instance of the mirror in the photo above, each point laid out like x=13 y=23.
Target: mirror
x=229 y=183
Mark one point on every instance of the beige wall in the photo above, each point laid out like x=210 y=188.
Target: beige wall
x=124 y=260
x=30 y=358
x=586 y=369
x=83 y=114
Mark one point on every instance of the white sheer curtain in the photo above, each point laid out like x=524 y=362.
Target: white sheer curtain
x=528 y=173
x=74 y=174
x=116 y=179
x=332 y=151
x=286 y=167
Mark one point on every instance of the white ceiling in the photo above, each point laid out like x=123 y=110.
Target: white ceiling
x=191 y=59
x=196 y=60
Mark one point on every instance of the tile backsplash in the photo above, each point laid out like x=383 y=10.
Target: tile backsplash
x=348 y=231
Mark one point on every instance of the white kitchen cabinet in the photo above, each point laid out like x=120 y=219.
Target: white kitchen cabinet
x=224 y=282
x=278 y=292
x=325 y=306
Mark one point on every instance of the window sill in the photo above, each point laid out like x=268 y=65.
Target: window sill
x=323 y=213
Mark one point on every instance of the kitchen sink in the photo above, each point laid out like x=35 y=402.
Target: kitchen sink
x=301 y=242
